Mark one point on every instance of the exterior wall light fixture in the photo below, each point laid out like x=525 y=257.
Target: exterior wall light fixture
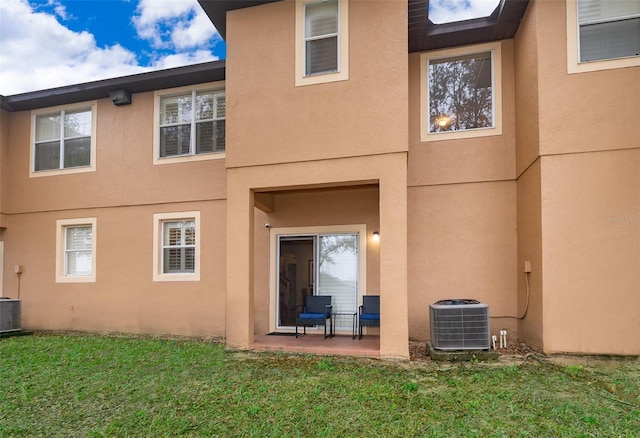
x=120 y=97
x=376 y=236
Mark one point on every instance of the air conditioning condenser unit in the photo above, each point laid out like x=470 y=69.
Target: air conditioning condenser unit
x=10 y=315
x=459 y=324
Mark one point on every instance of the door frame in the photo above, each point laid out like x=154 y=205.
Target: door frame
x=360 y=229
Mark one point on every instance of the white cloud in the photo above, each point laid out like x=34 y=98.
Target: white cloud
x=38 y=52
x=447 y=11
x=180 y=24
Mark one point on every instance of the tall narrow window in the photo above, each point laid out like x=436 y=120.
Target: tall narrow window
x=608 y=29
x=62 y=139
x=321 y=37
x=76 y=250
x=178 y=246
x=192 y=123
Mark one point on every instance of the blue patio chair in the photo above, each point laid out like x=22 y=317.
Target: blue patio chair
x=316 y=311
x=369 y=314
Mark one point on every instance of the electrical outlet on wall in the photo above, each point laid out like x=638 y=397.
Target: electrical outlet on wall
x=527 y=266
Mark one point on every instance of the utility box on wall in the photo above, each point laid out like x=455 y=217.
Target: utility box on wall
x=459 y=324
x=10 y=315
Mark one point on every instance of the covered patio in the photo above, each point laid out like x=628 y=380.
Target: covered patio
x=339 y=345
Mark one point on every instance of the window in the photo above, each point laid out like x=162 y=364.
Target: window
x=321 y=34
x=321 y=41
x=176 y=246
x=461 y=94
x=76 y=243
x=608 y=29
x=602 y=34
x=63 y=140
x=191 y=124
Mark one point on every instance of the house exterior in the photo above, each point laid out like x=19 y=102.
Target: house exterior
x=225 y=192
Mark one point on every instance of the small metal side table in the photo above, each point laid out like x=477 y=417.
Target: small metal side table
x=354 y=323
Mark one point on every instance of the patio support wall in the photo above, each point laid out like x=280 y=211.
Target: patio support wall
x=239 y=300
x=389 y=170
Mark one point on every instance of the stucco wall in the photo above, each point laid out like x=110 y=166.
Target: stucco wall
x=273 y=121
x=4 y=167
x=125 y=174
x=526 y=90
x=578 y=205
x=581 y=112
x=591 y=242
x=123 y=193
x=462 y=244
x=462 y=214
x=530 y=298
x=463 y=160
x=124 y=298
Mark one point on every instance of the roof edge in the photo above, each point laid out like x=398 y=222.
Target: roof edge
x=211 y=71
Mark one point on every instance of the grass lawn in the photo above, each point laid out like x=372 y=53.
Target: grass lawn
x=57 y=385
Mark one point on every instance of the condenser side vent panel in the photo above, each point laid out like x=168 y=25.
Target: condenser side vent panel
x=9 y=315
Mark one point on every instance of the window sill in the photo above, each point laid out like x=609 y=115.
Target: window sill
x=605 y=64
x=177 y=277
x=189 y=158
x=56 y=172
x=76 y=279
x=456 y=135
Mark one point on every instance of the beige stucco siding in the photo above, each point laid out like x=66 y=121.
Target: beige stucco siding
x=463 y=160
x=591 y=241
x=462 y=213
x=123 y=194
x=586 y=111
x=529 y=217
x=125 y=174
x=578 y=193
x=462 y=244
x=123 y=298
x=273 y=121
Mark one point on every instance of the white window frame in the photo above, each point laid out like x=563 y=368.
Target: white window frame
x=342 y=74
x=61 y=250
x=158 y=95
x=61 y=109
x=573 y=48
x=496 y=83
x=158 y=227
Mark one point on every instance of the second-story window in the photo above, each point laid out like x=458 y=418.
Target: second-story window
x=608 y=29
x=192 y=123
x=321 y=37
x=62 y=139
x=460 y=93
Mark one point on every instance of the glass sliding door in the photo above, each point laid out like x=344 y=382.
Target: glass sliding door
x=317 y=264
x=337 y=273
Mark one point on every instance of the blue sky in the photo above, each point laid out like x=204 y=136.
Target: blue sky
x=52 y=43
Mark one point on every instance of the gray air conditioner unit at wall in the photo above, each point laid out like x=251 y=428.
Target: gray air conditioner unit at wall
x=459 y=324
x=9 y=315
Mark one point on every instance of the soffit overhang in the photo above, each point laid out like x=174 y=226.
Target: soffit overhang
x=138 y=83
x=423 y=35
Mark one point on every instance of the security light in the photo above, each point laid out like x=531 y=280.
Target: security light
x=120 y=97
